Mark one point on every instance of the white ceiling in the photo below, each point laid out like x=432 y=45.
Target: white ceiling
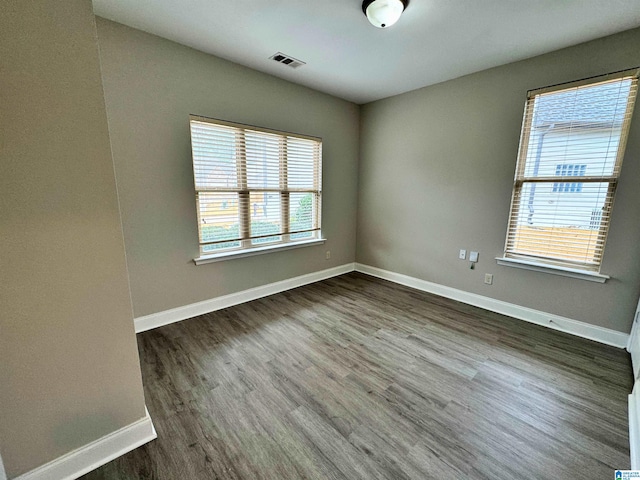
x=434 y=40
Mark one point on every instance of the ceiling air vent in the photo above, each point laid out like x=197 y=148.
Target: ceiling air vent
x=286 y=60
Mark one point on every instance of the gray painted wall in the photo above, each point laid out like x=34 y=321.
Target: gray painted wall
x=436 y=173
x=151 y=86
x=69 y=369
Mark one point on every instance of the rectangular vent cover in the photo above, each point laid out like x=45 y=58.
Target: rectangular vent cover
x=286 y=60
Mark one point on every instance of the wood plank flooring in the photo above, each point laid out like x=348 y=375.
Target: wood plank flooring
x=358 y=378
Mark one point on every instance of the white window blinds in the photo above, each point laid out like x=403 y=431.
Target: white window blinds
x=571 y=150
x=254 y=186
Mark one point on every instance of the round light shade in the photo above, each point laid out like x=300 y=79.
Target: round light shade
x=383 y=13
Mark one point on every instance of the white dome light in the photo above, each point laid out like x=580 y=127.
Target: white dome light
x=383 y=13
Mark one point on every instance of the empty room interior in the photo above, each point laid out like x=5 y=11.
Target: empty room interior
x=386 y=239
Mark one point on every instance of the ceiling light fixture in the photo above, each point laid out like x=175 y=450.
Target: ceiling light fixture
x=383 y=13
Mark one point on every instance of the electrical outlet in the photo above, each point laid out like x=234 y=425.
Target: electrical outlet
x=328 y=254
x=473 y=257
x=488 y=278
x=462 y=255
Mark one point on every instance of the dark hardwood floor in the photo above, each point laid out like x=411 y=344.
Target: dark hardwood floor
x=358 y=378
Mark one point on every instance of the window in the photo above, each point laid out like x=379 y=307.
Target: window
x=571 y=150
x=568 y=170
x=254 y=187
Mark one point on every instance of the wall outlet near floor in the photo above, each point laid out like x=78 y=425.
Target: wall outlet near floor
x=488 y=278
x=328 y=254
x=473 y=257
x=462 y=255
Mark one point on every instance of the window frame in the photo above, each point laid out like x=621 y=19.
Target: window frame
x=548 y=264
x=247 y=243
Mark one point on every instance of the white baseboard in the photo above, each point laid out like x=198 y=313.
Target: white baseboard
x=556 y=322
x=550 y=320
x=634 y=429
x=193 y=310
x=91 y=456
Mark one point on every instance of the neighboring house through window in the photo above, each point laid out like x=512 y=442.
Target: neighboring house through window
x=571 y=150
x=254 y=187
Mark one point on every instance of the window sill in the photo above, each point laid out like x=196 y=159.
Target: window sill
x=552 y=269
x=218 y=257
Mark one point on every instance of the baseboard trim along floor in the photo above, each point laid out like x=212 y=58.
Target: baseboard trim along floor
x=95 y=454
x=634 y=429
x=173 y=315
x=556 y=322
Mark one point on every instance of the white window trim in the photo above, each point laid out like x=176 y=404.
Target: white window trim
x=552 y=269
x=241 y=253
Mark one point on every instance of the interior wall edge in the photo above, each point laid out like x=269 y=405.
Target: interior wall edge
x=3 y=474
